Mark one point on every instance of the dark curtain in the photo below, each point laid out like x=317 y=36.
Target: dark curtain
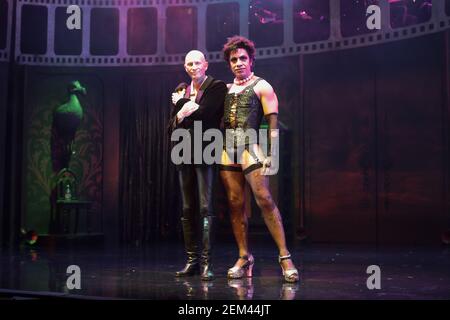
x=149 y=191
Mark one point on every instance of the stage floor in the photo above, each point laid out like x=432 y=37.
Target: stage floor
x=327 y=272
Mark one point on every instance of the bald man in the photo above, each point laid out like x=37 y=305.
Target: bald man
x=201 y=100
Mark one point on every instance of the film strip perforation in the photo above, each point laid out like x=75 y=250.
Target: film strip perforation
x=162 y=54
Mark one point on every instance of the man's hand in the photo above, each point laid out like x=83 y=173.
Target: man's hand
x=176 y=96
x=270 y=166
x=188 y=108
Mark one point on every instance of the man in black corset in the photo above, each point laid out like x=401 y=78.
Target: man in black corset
x=243 y=161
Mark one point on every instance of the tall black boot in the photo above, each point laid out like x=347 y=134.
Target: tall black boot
x=206 y=272
x=190 y=242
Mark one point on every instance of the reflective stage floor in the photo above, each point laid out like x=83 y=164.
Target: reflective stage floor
x=326 y=272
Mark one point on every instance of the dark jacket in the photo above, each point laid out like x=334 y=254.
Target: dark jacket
x=210 y=99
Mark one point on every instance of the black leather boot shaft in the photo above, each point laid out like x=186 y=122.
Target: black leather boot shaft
x=191 y=246
x=206 y=272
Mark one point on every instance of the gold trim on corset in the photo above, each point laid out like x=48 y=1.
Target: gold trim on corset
x=233 y=111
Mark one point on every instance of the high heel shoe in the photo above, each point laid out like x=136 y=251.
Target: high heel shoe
x=244 y=270
x=290 y=275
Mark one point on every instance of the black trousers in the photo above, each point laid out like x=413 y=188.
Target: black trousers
x=196 y=187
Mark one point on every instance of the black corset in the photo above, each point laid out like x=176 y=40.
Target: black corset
x=243 y=111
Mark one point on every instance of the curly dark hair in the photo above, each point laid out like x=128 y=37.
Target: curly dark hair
x=238 y=42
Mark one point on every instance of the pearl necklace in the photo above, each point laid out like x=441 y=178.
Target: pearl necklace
x=241 y=82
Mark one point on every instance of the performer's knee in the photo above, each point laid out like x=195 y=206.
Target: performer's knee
x=265 y=202
x=236 y=201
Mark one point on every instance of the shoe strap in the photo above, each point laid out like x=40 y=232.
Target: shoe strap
x=281 y=258
x=246 y=257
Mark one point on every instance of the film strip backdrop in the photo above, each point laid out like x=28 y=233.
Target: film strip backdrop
x=159 y=32
x=6 y=12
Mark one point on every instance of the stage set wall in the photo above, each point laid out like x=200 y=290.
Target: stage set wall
x=364 y=142
x=3 y=116
x=376 y=143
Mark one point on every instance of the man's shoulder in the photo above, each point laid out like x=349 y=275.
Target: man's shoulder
x=216 y=85
x=263 y=85
x=217 y=82
x=262 y=82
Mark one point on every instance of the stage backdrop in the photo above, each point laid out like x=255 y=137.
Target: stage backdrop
x=365 y=155
x=376 y=133
x=3 y=116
